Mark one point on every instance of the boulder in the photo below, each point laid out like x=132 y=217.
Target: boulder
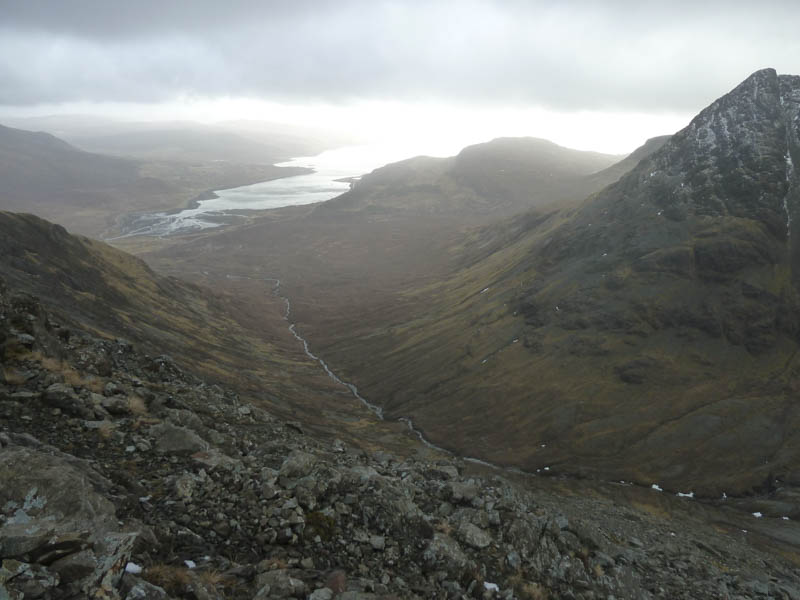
x=297 y=464
x=171 y=439
x=279 y=584
x=473 y=536
x=57 y=527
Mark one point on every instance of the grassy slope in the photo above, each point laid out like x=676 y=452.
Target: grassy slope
x=244 y=344
x=657 y=324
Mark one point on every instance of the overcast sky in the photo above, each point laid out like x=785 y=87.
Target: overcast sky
x=511 y=61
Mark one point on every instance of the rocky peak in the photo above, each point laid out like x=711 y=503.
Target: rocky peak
x=735 y=158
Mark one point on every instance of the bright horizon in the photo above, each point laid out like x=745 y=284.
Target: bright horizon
x=434 y=129
x=432 y=77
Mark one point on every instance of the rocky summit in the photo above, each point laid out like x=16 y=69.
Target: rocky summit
x=126 y=477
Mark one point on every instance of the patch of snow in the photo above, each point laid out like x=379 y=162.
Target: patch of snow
x=515 y=340
x=785 y=518
x=484 y=360
x=190 y=564
x=133 y=568
x=672 y=533
x=484 y=290
x=659 y=213
x=682 y=495
x=544 y=445
x=547 y=468
x=557 y=309
x=724 y=496
x=656 y=487
x=491 y=587
x=757 y=515
x=145 y=499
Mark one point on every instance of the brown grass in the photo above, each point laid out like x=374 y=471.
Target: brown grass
x=276 y=563
x=174 y=580
x=528 y=590
x=105 y=430
x=13 y=377
x=137 y=405
x=69 y=373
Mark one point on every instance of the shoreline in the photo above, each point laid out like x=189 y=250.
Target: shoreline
x=212 y=193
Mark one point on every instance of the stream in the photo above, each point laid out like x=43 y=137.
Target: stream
x=408 y=421
x=374 y=408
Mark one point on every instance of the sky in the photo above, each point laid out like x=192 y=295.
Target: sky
x=601 y=75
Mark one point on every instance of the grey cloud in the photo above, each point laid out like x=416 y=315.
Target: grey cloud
x=573 y=55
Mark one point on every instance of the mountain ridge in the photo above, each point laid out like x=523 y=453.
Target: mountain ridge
x=638 y=334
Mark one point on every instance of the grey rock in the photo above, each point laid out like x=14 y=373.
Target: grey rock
x=171 y=439
x=473 y=536
x=321 y=594
x=142 y=590
x=62 y=396
x=462 y=492
x=279 y=584
x=297 y=464
x=444 y=552
x=378 y=542
x=116 y=406
x=55 y=512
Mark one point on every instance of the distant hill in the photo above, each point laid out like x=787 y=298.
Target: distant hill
x=495 y=179
x=185 y=145
x=242 y=142
x=87 y=192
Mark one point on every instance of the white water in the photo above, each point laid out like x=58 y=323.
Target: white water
x=323 y=184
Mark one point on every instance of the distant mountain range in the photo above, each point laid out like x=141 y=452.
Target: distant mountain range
x=243 y=142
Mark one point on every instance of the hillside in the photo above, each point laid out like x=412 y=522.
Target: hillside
x=88 y=192
x=125 y=477
x=502 y=177
x=350 y=261
x=650 y=334
x=246 y=345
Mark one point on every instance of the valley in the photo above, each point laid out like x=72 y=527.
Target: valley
x=614 y=335
x=575 y=336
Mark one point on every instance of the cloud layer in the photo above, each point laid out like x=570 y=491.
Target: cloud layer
x=627 y=56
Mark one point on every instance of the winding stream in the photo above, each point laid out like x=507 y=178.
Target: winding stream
x=378 y=411
x=374 y=408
